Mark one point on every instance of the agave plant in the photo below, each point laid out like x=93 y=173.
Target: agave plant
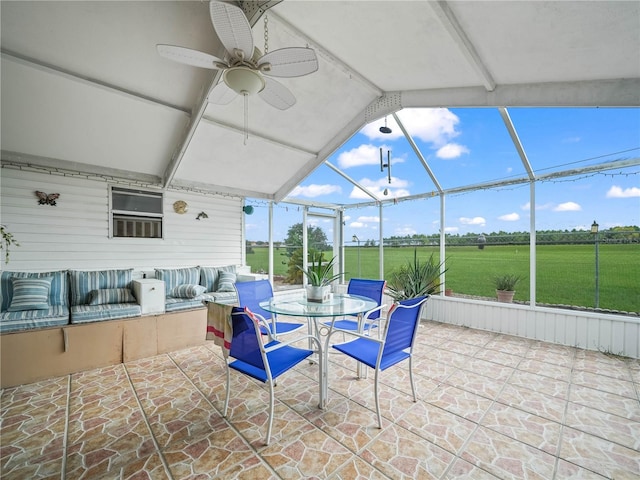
x=320 y=274
x=506 y=282
x=415 y=279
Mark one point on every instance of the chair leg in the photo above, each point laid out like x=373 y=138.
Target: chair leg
x=271 y=405
x=413 y=386
x=226 y=399
x=375 y=386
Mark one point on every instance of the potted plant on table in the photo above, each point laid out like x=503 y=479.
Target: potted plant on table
x=319 y=275
x=505 y=287
x=415 y=279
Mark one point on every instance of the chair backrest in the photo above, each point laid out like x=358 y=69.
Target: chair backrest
x=246 y=344
x=372 y=289
x=402 y=324
x=250 y=294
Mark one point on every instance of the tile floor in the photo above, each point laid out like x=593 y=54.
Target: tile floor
x=490 y=406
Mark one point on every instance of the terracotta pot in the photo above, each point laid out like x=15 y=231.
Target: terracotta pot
x=505 y=296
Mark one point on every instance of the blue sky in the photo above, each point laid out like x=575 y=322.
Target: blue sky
x=472 y=146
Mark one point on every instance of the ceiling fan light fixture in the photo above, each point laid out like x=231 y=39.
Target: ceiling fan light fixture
x=243 y=80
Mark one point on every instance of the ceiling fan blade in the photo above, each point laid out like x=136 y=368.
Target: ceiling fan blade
x=190 y=57
x=277 y=95
x=289 y=62
x=221 y=94
x=232 y=28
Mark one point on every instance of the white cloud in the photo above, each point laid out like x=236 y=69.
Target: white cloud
x=509 y=217
x=357 y=224
x=451 y=229
x=395 y=189
x=572 y=140
x=472 y=221
x=567 y=207
x=451 y=150
x=617 y=192
x=375 y=219
x=405 y=230
x=313 y=190
x=431 y=125
x=366 y=154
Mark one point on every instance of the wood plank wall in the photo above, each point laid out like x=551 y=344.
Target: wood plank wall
x=74 y=234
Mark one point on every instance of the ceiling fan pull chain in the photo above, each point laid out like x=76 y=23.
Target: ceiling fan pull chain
x=246 y=117
x=266 y=34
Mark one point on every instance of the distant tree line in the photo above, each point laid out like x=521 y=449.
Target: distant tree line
x=626 y=234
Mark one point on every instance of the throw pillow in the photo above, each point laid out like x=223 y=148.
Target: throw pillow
x=226 y=281
x=187 y=291
x=106 y=296
x=30 y=294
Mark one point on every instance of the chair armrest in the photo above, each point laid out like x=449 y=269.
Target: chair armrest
x=262 y=321
x=373 y=310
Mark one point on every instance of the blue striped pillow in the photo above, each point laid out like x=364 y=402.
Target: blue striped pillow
x=226 y=281
x=187 y=291
x=106 y=296
x=30 y=294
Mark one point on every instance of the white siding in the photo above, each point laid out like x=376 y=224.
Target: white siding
x=74 y=234
x=617 y=334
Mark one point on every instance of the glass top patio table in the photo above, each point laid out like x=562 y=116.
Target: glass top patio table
x=337 y=305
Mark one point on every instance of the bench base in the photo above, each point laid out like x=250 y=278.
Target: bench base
x=34 y=355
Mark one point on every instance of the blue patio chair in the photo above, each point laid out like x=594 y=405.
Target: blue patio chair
x=250 y=294
x=395 y=346
x=372 y=289
x=264 y=362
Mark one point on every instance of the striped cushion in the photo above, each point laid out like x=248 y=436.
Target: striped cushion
x=209 y=276
x=82 y=283
x=226 y=281
x=187 y=291
x=177 y=304
x=91 y=313
x=30 y=294
x=105 y=296
x=57 y=315
x=58 y=293
x=174 y=277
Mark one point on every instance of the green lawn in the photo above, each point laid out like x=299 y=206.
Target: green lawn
x=565 y=273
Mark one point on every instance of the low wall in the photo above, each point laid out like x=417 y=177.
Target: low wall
x=610 y=333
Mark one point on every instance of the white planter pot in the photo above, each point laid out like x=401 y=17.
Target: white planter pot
x=318 y=294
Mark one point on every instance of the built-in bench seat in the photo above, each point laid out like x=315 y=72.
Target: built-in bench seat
x=100 y=295
x=40 y=300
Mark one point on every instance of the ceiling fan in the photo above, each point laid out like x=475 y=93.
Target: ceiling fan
x=246 y=71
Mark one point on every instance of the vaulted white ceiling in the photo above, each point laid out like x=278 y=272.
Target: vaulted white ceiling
x=83 y=87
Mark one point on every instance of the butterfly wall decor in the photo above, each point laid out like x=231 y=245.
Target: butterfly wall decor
x=44 y=199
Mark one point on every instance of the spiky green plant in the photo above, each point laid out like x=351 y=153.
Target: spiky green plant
x=506 y=282
x=415 y=279
x=318 y=274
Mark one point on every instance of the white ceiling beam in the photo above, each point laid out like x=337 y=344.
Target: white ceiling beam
x=506 y=118
x=93 y=82
x=75 y=168
x=623 y=92
x=459 y=36
x=253 y=134
x=418 y=153
x=349 y=179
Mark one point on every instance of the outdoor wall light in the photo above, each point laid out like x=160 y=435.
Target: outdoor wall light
x=248 y=209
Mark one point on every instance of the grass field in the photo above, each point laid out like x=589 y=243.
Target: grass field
x=565 y=273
